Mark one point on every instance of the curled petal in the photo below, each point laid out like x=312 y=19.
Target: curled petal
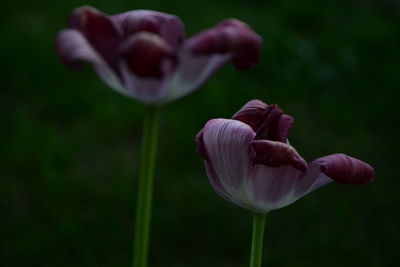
x=74 y=49
x=169 y=27
x=275 y=154
x=279 y=131
x=99 y=30
x=345 y=169
x=266 y=120
x=229 y=37
x=144 y=54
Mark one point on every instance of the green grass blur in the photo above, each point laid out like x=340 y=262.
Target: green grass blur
x=69 y=145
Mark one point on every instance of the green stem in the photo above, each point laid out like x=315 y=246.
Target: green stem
x=257 y=239
x=145 y=188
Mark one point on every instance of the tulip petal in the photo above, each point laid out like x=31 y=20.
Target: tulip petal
x=227 y=144
x=206 y=52
x=337 y=167
x=275 y=154
x=74 y=49
x=252 y=113
x=232 y=37
x=99 y=30
x=146 y=64
x=144 y=54
x=345 y=169
x=272 y=187
x=169 y=27
x=266 y=120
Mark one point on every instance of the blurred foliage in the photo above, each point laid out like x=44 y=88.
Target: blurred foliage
x=69 y=145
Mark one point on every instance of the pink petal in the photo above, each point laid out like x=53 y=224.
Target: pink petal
x=74 y=49
x=169 y=27
x=227 y=144
x=99 y=30
x=272 y=187
x=275 y=154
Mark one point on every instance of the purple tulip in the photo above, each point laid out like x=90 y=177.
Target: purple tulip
x=142 y=54
x=250 y=162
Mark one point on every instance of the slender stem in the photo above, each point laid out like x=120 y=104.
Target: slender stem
x=257 y=239
x=145 y=188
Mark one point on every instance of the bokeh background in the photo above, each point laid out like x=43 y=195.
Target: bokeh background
x=70 y=146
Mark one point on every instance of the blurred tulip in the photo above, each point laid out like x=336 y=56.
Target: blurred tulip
x=142 y=54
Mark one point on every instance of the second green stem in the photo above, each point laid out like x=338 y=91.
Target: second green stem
x=145 y=187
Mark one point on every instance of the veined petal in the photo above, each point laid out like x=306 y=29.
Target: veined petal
x=99 y=30
x=74 y=49
x=275 y=154
x=272 y=187
x=169 y=27
x=227 y=144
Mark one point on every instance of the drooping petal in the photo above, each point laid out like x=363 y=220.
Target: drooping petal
x=99 y=30
x=206 y=52
x=74 y=49
x=275 y=154
x=337 y=167
x=232 y=37
x=227 y=144
x=146 y=64
x=345 y=169
x=169 y=27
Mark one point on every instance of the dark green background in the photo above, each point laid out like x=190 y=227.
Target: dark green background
x=69 y=145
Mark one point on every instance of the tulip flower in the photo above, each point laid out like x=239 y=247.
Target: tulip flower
x=250 y=163
x=143 y=54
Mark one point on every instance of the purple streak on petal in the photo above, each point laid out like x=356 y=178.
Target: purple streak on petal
x=345 y=169
x=275 y=154
x=169 y=27
x=144 y=54
x=228 y=146
x=74 y=49
x=99 y=31
x=228 y=37
x=252 y=113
